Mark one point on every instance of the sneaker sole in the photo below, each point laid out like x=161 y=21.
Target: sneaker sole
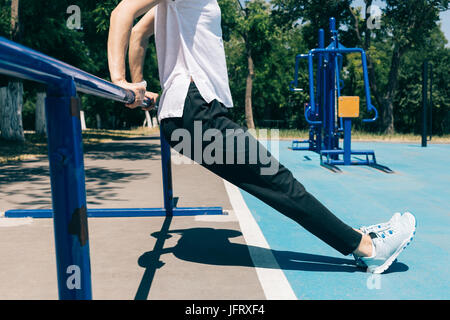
x=391 y=259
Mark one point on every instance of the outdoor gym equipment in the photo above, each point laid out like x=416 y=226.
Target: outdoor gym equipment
x=65 y=154
x=328 y=113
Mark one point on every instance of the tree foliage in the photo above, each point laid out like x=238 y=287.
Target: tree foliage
x=273 y=32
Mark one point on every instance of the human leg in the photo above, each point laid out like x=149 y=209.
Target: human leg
x=280 y=189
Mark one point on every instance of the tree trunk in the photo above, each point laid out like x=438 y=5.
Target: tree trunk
x=11 y=102
x=82 y=120
x=388 y=116
x=388 y=105
x=148 y=120
x=11 y=96
x=15 y=25
x=370 y=67
x=248 y=92
x=99 y=121
x=40 y=126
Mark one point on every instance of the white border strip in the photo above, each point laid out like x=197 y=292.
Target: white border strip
x=271 y=277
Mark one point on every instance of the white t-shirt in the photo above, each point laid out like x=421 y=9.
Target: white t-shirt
x=189 y=44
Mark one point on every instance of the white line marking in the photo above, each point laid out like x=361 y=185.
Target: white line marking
x=271 y=277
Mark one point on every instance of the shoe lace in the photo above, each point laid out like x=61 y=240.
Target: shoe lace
x=377 y=227
x=386 y=234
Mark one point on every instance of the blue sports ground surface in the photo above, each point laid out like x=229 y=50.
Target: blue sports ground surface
x=364 y=196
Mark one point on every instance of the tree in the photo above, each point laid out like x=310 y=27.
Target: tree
x=11 y=95
x=408 y=100
x=406 y=25
x=261 y=41
x=313 y=15
x=40 y=124
x=252 y=24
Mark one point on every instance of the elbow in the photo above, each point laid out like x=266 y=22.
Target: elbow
x=114 y=15
x=118 y=13
x=115 y=12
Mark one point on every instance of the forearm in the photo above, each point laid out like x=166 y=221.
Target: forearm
x=121 y=24
x=139 y=40
x=119 y=34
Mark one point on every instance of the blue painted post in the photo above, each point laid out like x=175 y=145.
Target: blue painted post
x=320 y=65
x=333 y=139
x=321 y=76
x=332 y=25
x=334 y=32
x=347 y=141
x=330 y=105
x=65 y=153
x=166 y=175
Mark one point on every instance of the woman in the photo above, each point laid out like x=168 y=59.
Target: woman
x=196 y=96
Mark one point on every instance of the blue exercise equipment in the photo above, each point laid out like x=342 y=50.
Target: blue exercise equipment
x=65 y=154
x=328 y=113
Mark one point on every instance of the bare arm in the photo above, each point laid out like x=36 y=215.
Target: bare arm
x=121 y=24
x=139 y=39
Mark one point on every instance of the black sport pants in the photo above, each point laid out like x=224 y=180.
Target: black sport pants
x=279 y=190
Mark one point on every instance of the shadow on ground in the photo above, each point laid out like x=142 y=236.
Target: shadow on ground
x=130 y=150
x=212 y=246
x=31 y=178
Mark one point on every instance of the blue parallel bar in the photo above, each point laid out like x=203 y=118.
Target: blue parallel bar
x=65 y=153
x=19 y=61
x=119 y=213
x=166 y=175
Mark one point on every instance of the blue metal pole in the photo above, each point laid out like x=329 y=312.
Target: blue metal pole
x=312 y=102
x=347 y=141
x=332 y=24
x=370 y=107
x=330 y=105
x=19 y=61
x=65 y=152
x=119 y=212
x=321 y=74
x=320 y=65
x=166 y=175
x=333 y=139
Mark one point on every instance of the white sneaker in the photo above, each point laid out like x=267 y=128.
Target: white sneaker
x=389 y=243
x=375 y=228
x=381 y=226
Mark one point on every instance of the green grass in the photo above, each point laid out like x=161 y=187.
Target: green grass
x=287 y=134
x=36 y=146
x=33 y=146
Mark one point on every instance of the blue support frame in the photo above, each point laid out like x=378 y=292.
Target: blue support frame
x=65 y=153
x=120 y=212
x=326 y=127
